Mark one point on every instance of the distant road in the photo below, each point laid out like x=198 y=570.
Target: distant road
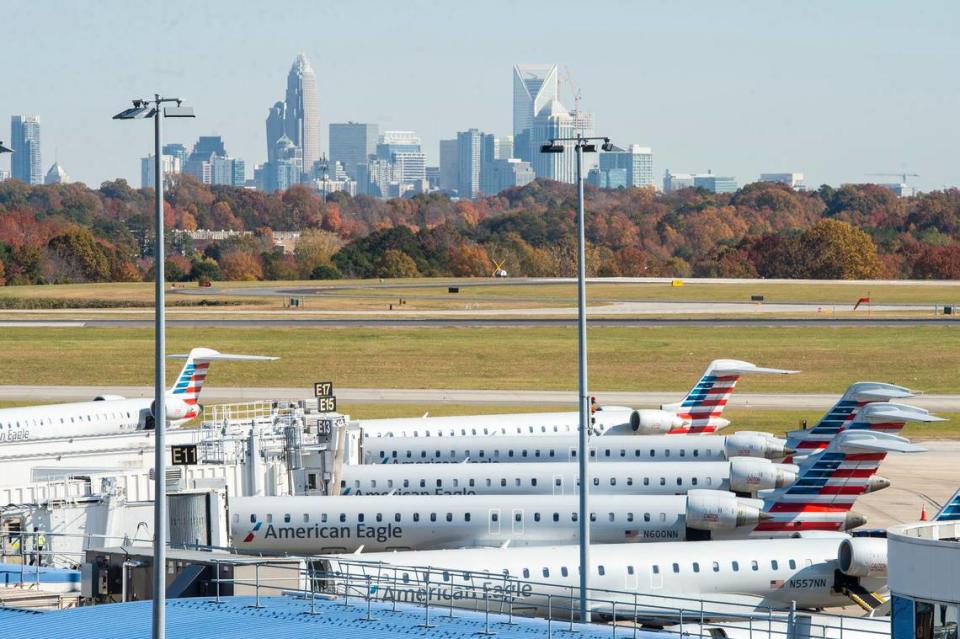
x=466 y=322
x=549 y=399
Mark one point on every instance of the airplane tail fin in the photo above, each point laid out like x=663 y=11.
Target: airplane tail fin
x=830 y=481
x=950 y=510
x=704 y=403
x=842 y=414
x=194 y=373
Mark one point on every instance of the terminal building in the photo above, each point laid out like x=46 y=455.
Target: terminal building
x=924 y=576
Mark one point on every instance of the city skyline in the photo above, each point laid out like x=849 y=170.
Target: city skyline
x=835 y=92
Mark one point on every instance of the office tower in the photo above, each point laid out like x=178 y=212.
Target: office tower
x=285 y=170
x=56 y=175
x=302 y=119
x=494 y=149
x=534 y=86
x=505 y=174
x=352 y=143
x=503 y=148
x=793 y=180
x=169 y=164
x=25 y=142
x=469 y=158
x=176 y=150
x=208 y=145
x=402 y=149
x=227 y=171
x=374 y=177
x=433 y=177
x=636 y=161
x=409 y=166
x=553 y=122
x=275 y=128
x=614 y=178
x=449 y=178
x=210 y=163
x=715 y=183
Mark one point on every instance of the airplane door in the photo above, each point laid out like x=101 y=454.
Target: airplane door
x=630 y=578
x=494 y=521
x=517 y=521
x=656 y=577
x=558 y=484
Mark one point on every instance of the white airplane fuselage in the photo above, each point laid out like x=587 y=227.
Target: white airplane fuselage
x=740 y=474
x=758 y=572
x=76 y=419
x=563 y=448
x=323 y=525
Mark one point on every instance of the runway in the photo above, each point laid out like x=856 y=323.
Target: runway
x=550 y=400
x=474 y=322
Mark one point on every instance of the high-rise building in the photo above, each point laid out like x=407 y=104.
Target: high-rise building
x=169 y=164
x=449 y=178
x=228 y=171
x=534 y=86
x=637 y=162
x=284 y=171
x=608 y=178
x=506 y=174
x=56 y=175
x=469 y=161
x=176 y=150
x=25 y=141
x=276 y=128
x=391 y=142
x=302 y=121
x=553 y=122
x=352 y=143
x=433 y=177
x=402 y=149
x=503 y=148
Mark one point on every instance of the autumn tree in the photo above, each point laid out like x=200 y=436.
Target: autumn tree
x=75 y=256
x=315 y=248
x=396 y=264
x=838 y=251
x=240 y=266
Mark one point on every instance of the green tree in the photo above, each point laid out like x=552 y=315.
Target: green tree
x=395 y=264
x=75 y=256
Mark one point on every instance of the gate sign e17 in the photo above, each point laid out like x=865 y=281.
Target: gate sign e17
x=323 y=389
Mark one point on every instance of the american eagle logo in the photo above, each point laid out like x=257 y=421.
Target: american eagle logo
x=251 y=534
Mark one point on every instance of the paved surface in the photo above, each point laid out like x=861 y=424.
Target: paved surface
x=491 y=322
x=549 y=399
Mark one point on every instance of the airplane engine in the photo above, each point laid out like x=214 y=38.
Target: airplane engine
x=176 y=409
x=863 y=557
x=876 y=482
x=753 y=444
x=750 y=474
x=715 y=510
x=108 y=398
x=650 y=421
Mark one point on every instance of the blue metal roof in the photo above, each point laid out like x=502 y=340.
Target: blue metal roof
x=10 y=574
x=278 y=618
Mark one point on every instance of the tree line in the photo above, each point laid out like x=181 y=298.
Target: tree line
x=72 y=233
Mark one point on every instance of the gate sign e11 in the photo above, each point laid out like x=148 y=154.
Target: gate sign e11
x=184 y=455
x=323 y=389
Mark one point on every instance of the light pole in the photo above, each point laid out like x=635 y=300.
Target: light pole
x=143 y=109
x=582 y=145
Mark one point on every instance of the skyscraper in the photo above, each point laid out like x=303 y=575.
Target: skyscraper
x=552 y=122
x=534 y=86
x=351 y=143
x=25 y=142
x=275 y=128
x=56 y=175
x=449 y=177
x=302 y=119
x=469 y=159
x=636 y=161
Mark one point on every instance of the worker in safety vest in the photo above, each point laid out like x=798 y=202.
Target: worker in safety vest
x=39 y=541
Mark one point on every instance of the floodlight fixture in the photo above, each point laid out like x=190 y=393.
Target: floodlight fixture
x=139 y=111
x=552 y=147
x=607 y=145
x=588 y=147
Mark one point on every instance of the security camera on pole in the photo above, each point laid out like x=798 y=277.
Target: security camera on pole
x=582 y=145
x=143 y=109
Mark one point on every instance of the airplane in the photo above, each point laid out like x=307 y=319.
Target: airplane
x=113 y=414
x=698 y=412
x=744 y=476
x=638 y=580
x=561 y=448
x=320 y=525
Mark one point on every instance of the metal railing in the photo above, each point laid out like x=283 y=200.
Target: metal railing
x=439 y=592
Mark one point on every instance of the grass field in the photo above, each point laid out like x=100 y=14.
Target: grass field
x=622 y=359
x=424 y=294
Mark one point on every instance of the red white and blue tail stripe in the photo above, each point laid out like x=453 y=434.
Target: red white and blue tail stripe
x=703 y=406
x=191 y=378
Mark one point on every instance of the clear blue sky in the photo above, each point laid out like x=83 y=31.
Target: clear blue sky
x=832 y=89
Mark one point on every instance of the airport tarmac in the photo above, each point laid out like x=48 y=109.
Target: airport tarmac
x=917 y=480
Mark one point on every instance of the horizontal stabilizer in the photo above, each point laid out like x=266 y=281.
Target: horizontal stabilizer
x=876 y=442
x=210 y=355
x=877 y=392
x=896 y=413
x=737 y=367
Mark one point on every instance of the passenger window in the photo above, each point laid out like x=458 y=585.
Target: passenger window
x=563 y=571
x=793 y=565
x=466 y=516
x=716 y=566
x=629 y=570
x=754 y=565
x=774 y=564
x=546 y=572
x=494 y=516
x=601 y=570
x=396 y=517
x=517 y=517
x=735 y=565
x=449 y=516
x=286 y=518
x=253 y=518
x=696 y=567
x=656 y=569
x=613 y=481
x=433 y=516
x=596 y=481
x=676 y=568
x=343 y=517
x=526 y=573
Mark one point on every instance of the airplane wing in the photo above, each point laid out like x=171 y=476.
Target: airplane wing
x=665 y=610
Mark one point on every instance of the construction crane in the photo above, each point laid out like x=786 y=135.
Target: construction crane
x=903 y=176
x=577 y=94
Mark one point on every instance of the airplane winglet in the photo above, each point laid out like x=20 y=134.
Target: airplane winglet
x=359 y=550
x=505 y=544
